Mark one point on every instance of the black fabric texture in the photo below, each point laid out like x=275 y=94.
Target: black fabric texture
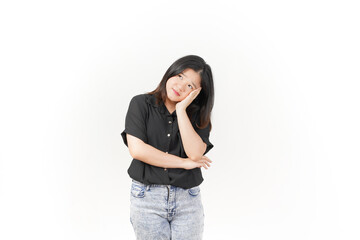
x=152 y=123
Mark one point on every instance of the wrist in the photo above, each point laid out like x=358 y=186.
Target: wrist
x=180 y=110
x=183 y=162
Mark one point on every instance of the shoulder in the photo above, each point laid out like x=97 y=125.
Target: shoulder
x=140 y=99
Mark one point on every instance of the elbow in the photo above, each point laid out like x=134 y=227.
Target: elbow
x=198 y=156
x=195 y=158
x=135 y=146
x=135 y=151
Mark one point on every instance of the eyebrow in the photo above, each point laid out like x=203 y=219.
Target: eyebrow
x=191 y=81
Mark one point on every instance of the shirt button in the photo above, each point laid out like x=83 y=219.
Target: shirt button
x=168 y=135
x=170 y=122
x=165 y=169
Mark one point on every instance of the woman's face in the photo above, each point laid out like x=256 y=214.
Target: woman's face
x=179 y=86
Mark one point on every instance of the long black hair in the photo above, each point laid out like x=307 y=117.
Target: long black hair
x=204 y=102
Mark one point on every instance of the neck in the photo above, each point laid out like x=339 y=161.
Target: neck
x=170 y=106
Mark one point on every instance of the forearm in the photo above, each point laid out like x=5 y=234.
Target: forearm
x=194 y=146
x=153 y=156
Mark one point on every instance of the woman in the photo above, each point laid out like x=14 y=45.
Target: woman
x=167 y=133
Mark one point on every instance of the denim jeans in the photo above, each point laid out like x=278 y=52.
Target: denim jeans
x=166 y=212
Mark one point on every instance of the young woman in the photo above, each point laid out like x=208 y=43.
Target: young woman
x=167 y=133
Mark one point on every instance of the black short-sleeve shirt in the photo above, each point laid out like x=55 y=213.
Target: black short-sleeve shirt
x=153 y=124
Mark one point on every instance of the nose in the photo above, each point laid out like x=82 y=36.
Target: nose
x=182 y=86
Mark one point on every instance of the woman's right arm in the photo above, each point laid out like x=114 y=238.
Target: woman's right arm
x=153 y=156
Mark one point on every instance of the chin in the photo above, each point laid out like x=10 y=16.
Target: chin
x=171 y=97
x=173 y=100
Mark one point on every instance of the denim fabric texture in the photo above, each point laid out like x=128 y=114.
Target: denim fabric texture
x=164 y=212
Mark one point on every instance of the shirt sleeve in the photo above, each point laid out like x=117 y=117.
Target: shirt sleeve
x=135 y=121
x=204 y=134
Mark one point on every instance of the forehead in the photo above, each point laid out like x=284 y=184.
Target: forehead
x=193 y=76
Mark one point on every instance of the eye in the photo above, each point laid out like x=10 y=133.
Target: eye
x=180 y=76
x=190 y=86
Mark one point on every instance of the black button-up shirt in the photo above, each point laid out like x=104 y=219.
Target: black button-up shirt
x=153 y=124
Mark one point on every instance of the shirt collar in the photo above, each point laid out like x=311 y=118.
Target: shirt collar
x=162 y=108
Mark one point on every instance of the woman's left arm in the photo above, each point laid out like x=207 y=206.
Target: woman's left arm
x=194 y=146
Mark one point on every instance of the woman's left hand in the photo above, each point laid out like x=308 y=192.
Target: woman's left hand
x=189 y=98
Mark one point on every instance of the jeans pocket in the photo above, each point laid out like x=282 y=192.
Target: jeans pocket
x=194 y=191
x=137 y=191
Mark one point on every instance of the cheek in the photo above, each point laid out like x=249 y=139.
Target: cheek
x=185 y=95
x=169 y=84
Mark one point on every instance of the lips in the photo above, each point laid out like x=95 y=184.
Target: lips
x=176 y=92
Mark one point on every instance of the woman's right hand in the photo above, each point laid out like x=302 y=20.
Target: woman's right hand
x=202 y=162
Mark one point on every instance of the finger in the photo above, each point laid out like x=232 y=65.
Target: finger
x=206 y=163
x=194 y=94
x=196 y=91
x=207 y=159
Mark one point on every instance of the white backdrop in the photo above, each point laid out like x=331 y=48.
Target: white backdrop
x=285 y=121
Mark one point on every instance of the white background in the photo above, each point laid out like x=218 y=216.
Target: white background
x=285 y=121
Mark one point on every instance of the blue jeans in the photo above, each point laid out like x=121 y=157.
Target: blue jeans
x=164 y=212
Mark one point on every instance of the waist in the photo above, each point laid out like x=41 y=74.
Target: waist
x=152 y=185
